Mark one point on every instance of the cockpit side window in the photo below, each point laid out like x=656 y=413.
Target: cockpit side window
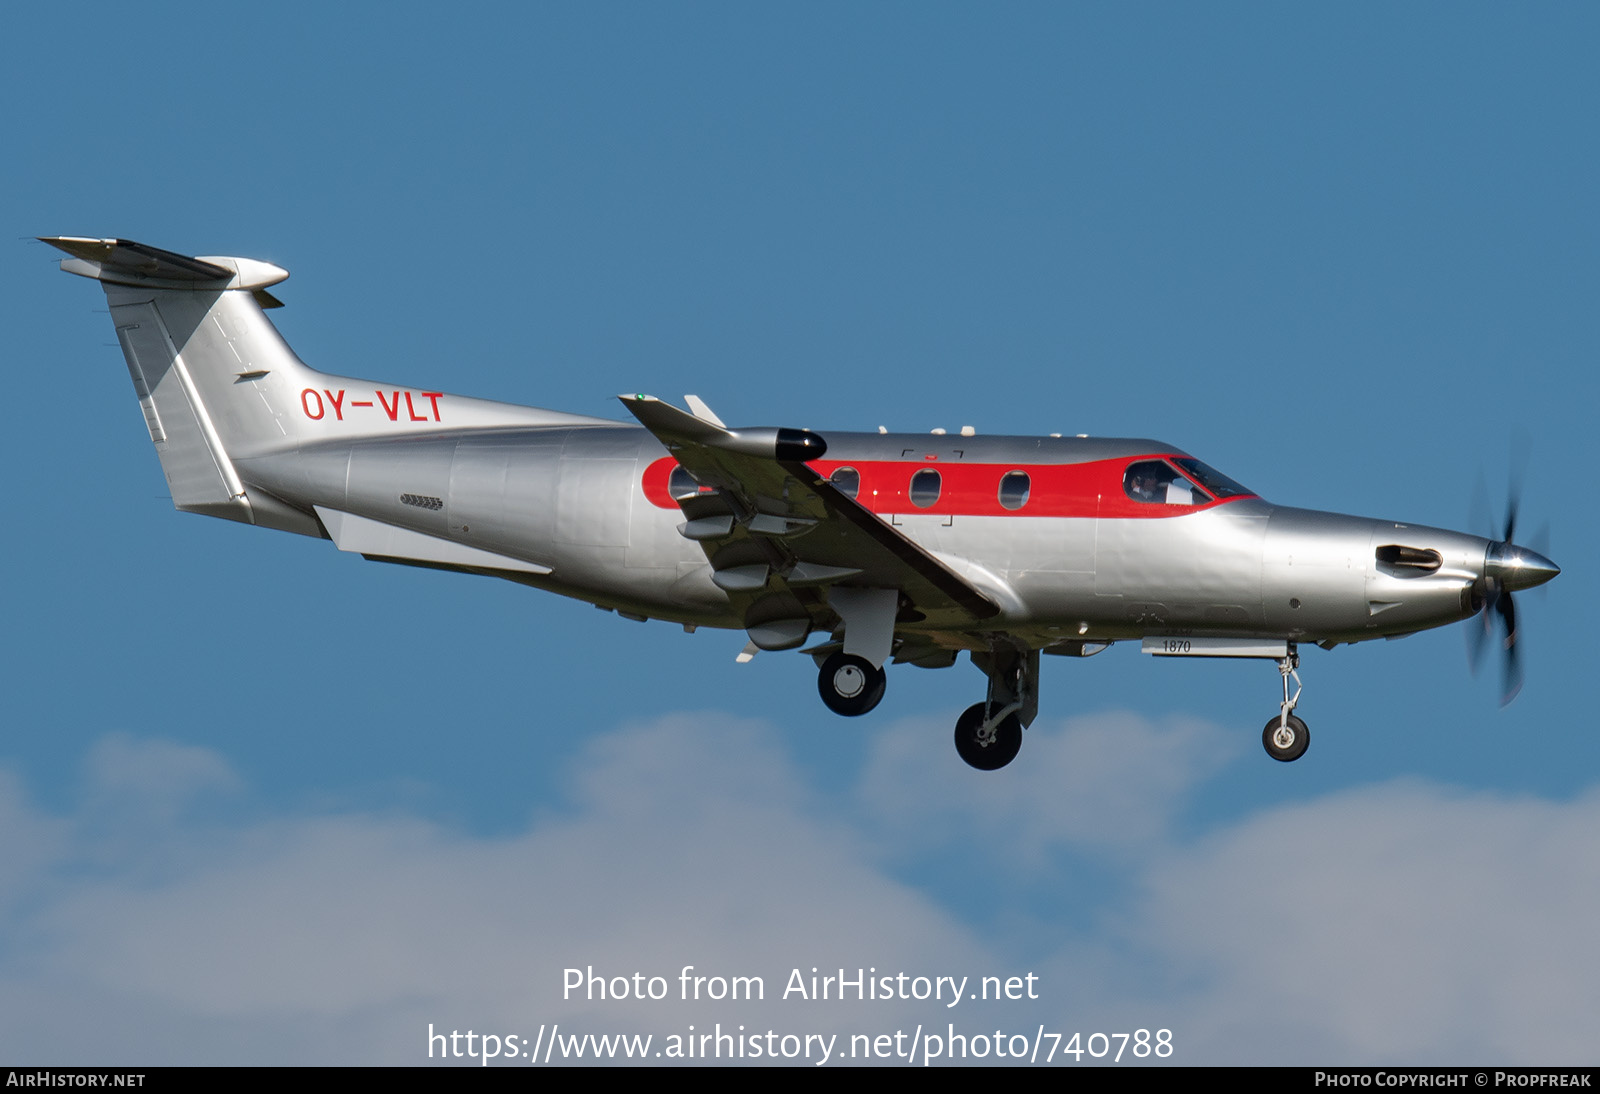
x=1158 y=483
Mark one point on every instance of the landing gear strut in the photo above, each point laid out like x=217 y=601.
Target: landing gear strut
x=1286 y=737
x=850 y=685
x=989 y=734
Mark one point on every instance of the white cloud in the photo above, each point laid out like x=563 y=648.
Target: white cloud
x=1106 y=781
x=32 y=843
x=1394 y=923
x=335 y=932
x=157 y=776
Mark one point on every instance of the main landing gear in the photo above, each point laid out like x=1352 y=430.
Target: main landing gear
x=989 y=734
x=852 y=680
x=1286 y=737
x=988 y=737
x=850 y=685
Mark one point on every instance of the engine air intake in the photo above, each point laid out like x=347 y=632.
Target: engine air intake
x=1409 y=558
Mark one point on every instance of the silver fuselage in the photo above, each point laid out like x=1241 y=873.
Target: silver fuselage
x=573 y=500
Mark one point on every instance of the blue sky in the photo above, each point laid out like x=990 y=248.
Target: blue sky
x=272 y=803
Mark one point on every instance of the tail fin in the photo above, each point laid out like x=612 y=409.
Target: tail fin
x=218 y=384
x=185 y=324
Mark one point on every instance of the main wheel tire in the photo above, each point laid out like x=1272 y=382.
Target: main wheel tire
x=849 y=685
x=1285 y=743
x=999 y=750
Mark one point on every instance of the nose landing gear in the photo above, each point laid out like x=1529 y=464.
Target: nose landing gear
x=1286 y=737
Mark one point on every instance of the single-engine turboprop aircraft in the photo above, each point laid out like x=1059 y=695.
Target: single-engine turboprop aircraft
x=903 y=547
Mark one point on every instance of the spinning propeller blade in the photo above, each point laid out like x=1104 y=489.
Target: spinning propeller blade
x=1506 y=568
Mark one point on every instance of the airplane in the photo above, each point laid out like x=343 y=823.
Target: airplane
x=890 y=547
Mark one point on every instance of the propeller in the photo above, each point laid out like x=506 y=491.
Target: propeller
x=1506 y=569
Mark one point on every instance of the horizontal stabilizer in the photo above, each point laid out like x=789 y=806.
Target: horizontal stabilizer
x=374 y=539
x=138 y=259
x=124 y=262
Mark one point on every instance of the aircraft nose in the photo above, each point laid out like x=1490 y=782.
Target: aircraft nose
x=1517 y=567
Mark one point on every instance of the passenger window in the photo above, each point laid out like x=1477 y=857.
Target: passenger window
x=1014 y=488
x=925 y=488
x=847 y=480
x=1159 y=483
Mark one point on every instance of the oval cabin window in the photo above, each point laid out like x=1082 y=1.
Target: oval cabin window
x=1014 y=489
x=847 y=480
x=925 y=488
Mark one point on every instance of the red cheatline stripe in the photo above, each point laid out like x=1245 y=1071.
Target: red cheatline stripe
x=973 y=489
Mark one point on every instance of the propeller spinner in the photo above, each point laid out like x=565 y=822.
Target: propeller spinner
x=1507 y=568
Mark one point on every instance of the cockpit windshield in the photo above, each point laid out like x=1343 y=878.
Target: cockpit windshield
x=1213 y=480
x=1180 y=480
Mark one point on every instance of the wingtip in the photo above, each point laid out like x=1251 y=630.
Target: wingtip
x=80 y=246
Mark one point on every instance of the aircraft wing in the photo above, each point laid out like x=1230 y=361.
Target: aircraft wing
x=771 y=525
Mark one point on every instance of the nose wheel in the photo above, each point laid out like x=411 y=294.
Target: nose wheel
x=1286 y=737
x=850 y=685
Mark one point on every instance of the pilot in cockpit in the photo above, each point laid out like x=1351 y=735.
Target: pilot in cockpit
x=1157 y=483
x=1142 y=483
